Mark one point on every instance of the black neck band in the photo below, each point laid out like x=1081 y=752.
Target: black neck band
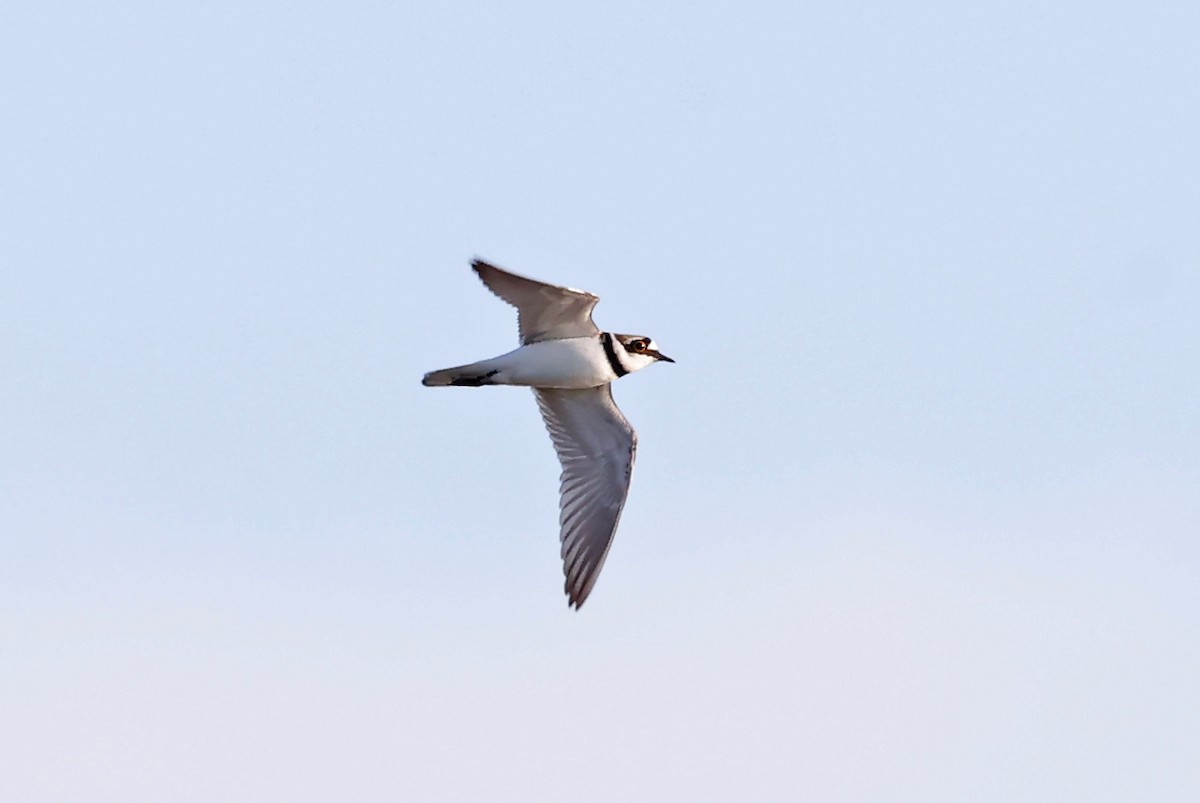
x=611 y=353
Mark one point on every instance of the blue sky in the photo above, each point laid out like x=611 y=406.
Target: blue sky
x=914 y=516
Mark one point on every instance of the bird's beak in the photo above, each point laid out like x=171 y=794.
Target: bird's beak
x=659 y=355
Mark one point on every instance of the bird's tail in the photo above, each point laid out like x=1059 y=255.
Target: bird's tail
x=474 y=375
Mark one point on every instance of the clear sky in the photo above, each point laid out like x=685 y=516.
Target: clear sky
x=915 y=515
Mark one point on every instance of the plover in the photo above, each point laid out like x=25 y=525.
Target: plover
x=571 y=365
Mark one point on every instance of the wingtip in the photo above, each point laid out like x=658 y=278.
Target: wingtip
x=486 y=272
x=575 y=596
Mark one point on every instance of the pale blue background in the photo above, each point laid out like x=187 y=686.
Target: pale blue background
x=915 y=516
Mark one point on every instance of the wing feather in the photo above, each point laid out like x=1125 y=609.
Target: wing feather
x=596 y=447
x=544 y=311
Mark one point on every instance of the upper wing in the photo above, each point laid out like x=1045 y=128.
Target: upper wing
x=596 y=447
x=545 y=311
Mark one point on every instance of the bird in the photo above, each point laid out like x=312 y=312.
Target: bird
x=570 y=365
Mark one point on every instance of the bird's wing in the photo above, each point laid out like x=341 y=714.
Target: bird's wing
x=544 y=311
x=596 y=447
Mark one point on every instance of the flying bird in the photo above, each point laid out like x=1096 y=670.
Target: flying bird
x=571 y=365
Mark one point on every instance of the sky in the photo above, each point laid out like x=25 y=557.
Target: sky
x=915 y=514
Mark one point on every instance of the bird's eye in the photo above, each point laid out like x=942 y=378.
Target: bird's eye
x=639 y=345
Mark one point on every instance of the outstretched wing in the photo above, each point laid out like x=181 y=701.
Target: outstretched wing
x=544 y=311
x=596 y=447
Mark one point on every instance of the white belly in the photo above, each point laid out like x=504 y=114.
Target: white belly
x=577 y=362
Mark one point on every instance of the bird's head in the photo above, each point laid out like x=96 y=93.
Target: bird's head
x=640 y=351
